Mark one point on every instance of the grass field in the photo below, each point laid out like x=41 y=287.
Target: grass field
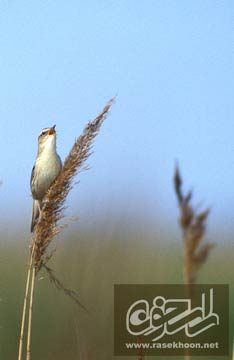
x=90 y=262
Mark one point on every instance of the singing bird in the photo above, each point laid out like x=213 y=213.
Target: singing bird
x=45 y=170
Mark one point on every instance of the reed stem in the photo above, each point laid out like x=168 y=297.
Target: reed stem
x=30 y=314
x=25 y=306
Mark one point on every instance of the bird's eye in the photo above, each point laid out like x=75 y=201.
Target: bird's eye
x=43 y=133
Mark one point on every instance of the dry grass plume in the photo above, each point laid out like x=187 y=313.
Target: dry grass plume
x=193 y=226
x=53 y=211
x=48 y=225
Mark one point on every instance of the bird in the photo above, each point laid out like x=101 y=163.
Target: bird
x=46 y=169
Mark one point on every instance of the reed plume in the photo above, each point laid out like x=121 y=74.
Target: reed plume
x=48 y=225
x=193 y=226
x=53 y=211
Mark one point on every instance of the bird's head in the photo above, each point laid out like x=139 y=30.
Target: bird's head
x=47 y=138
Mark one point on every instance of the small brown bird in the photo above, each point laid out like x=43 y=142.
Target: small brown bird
x=46 y=169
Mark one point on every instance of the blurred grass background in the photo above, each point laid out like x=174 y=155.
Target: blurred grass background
x=91 y=260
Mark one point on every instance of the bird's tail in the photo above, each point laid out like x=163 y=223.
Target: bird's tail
x=35 y=213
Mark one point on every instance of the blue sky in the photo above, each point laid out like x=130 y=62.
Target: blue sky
x=170 y=64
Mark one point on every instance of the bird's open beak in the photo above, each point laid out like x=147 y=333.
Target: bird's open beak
x=52 y=130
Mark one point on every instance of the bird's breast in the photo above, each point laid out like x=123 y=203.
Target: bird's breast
x=47 y=168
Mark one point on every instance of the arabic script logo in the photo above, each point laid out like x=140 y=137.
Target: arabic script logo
x=167 y=317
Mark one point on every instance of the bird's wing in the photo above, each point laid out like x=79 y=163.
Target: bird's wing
x=32 y=175
x=35 y=214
